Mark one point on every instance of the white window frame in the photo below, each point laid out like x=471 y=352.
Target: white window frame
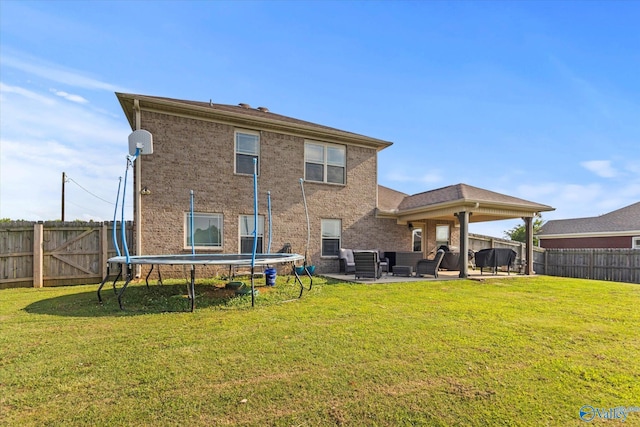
x=325 y=234
x=237 y=151
x=635 y=242
x=416 y=234
x=326 y=163
x=249 y=221
x=218 y=217
x=442 y=242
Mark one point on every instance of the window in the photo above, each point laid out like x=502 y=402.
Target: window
x=207 y=230
x=325 y=162
x=246 y=234
x=636 y=243
x=417 y=240
x=331 y=235
x=247 y=149
x=442 y=235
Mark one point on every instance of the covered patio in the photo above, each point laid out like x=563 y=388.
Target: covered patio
x=442 y=275
x=460 y=205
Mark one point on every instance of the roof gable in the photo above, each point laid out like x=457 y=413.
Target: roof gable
x=464 y=193
x=243 y=115
x=444 y=203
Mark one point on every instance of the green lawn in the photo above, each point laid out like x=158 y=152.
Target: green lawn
x=504 y=352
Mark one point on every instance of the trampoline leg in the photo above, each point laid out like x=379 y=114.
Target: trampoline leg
x=102 y=284
x=310 y=278
x=115 y=291
x=104 y=281
x=192 y=288
x=124 y=287
x=146 y=280
x=299 y=282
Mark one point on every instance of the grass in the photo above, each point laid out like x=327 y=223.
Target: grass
x=504 y=352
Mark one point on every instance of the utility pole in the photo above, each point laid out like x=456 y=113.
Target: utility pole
x=64 y=179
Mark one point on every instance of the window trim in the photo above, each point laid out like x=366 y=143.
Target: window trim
x=439 y=242
x=325 y=162
x=187 y=236
x=635 y=242
x=240 y=235
x=235 y=150
x=322 y=238
x=414 y=233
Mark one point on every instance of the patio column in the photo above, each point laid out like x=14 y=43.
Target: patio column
x=463 y=217
x=528 y=267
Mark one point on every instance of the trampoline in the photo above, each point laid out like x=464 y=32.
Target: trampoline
x=238 y=260
x=141 y=143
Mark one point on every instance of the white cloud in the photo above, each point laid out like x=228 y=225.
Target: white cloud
x=432 y=177
x=601 y=168
x=43 y=136
x=69 y=97
x=56 y=73
x=6 y=89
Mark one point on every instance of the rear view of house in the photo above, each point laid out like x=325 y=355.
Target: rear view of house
x=210 y=148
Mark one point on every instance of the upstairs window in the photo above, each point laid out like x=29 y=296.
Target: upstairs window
x=331 y=236
x=246 y=234
x=207 y=230
x=325 y=162
x=247 y=149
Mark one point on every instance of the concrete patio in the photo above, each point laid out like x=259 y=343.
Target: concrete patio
x=442 y=275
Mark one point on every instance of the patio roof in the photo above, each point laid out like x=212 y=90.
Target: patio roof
x=443 y=203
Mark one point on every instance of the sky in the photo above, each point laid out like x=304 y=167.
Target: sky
x=534 y=99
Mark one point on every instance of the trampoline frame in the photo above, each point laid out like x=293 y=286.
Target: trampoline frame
x=237 y=260
x=193 y=259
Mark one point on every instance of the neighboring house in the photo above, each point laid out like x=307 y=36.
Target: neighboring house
x=209 y=148
x=617 y=229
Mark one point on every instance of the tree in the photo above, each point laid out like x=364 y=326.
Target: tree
x=519 y=232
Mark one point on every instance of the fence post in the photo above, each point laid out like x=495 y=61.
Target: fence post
x=38 y=255
x=104 y=247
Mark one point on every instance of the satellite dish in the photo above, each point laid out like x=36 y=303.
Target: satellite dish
x=140 y=139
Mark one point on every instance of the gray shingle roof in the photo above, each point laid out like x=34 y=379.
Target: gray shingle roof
x=465 y=193
x=389 y=199
x=233 y=112
x=624 y=219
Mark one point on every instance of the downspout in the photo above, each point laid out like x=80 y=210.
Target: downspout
x=137 y=199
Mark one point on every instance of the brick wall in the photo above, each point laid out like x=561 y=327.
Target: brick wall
x=199 y=155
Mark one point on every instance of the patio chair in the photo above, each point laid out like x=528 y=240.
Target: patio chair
x=384 y=261
x=367 y=264
x=347 y=264
x=430 y=266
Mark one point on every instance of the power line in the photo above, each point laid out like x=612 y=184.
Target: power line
x=89 y=192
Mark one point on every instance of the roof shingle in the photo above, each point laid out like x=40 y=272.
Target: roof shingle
x=623 y=219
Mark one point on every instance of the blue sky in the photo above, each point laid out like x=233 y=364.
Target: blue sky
x=538 y=100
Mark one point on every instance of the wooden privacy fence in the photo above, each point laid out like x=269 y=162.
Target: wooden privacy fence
x=478 y=242
x=56 y=253
x=618 y=265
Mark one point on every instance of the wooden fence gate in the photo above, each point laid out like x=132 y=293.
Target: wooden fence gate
x=56 y=253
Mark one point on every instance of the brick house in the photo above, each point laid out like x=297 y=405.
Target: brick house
x=616 y=229
x=209 y=148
